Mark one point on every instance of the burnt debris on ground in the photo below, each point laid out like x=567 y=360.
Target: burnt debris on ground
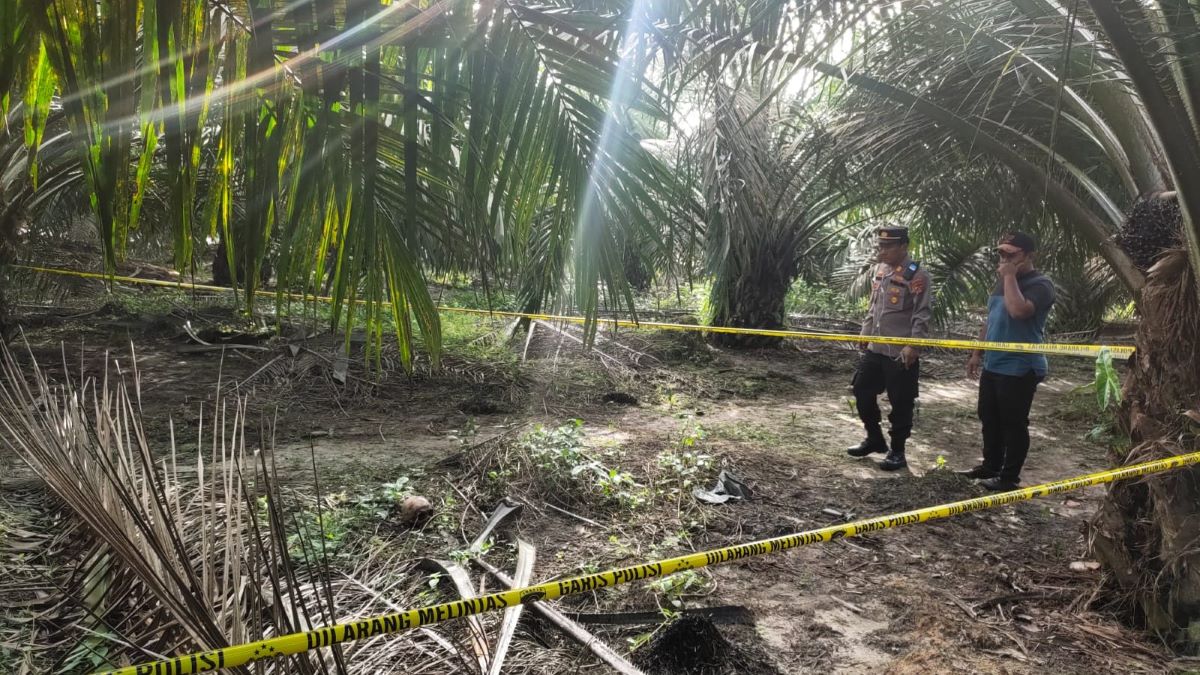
x=693 y=645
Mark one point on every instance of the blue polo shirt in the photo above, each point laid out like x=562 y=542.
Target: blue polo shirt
x=1037 y=288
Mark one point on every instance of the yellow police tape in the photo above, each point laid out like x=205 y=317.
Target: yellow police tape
x=1057 y=349
x=230 y=657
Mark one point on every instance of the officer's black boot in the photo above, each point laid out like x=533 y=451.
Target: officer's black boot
x=895 y=458
x=872 y=443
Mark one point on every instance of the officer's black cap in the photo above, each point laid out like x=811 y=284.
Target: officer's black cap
x=891 y=235
x=1020 y=240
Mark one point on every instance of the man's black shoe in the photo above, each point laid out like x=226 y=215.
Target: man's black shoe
x=893 y=462
x=980 y=471
x=868 y=446
x=1000 y=484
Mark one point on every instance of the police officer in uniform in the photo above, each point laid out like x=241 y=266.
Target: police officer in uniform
x=900 y=307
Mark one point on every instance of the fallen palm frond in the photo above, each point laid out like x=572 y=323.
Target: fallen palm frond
x=30 y=540
x=177 y=555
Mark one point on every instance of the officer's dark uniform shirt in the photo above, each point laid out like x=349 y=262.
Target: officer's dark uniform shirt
x=899 y=307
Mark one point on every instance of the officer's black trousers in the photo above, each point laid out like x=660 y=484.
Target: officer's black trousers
x=1004 y=403
x=876 y=374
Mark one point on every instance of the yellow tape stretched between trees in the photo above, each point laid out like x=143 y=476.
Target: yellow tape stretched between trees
x=1049 y=348
x=230 y=657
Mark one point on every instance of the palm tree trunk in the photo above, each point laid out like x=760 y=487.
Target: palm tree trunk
x=262 y=156
x=753 y=297
x=1146 y=531
x=639 y=275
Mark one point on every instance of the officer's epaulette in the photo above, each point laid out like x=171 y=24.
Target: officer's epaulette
x=910 y=270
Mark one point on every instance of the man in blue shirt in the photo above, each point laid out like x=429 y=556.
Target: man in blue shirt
x=1017 y=311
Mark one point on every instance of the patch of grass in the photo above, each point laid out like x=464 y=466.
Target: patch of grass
x=1077 y=405
x=475 y=337
x=666 y=296
x=749 y=432
x=674 y=401
x=821 y=300
x=750 y=387
x=139 y=302
x=476 y=298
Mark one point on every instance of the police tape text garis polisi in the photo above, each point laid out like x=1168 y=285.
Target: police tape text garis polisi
x=239 y=655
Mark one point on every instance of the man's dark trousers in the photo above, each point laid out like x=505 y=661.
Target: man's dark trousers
x=876 y=374
x=1004 y=403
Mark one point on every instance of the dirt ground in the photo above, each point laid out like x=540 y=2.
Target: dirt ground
x=990 y=592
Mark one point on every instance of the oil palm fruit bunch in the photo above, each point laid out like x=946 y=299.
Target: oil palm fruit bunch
x=1152 y=226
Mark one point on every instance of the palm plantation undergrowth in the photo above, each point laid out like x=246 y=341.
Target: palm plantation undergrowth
x=362 y=148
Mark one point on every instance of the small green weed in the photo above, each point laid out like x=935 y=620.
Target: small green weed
x=690 y=434
x=465 y=554
x=638 y=640
x=673 y=587
x=397 y=490
x=671 y=401
x=685 y=468
x=1105 y=387
x=329 y=531
x=750 y=432
x=320 y=535
x=559 y=455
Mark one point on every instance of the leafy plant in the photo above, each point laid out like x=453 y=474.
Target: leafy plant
x=559 y=454
x=685 y=467
x=1106 y=383
x=320 y=535
x=638 y=640
x=463 y=555
x=691 y=434
x=674 y=587
x=671 y=400
x=1098 y=399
